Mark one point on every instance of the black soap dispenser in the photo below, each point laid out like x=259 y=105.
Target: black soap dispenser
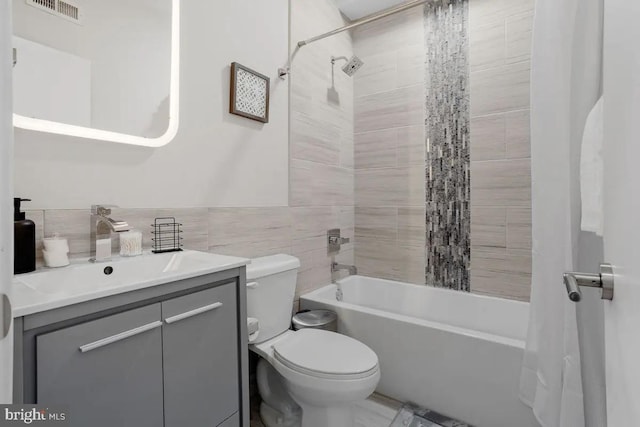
x=24 y=240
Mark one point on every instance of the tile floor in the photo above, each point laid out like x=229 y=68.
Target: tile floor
x=377 y=411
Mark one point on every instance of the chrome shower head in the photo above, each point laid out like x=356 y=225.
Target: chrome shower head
x=352 y=65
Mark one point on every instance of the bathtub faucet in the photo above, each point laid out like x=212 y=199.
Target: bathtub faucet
x=337 y=267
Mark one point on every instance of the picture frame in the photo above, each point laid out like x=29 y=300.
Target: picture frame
x=249 y=96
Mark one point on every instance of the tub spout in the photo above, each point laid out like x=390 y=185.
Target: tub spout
x=337 y=267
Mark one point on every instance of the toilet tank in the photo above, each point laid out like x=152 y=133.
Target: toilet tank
x=271 y=287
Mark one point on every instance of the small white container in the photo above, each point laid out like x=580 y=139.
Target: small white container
x=55 y=251
x=130 y=243
x=55 y=259
x=56 y=243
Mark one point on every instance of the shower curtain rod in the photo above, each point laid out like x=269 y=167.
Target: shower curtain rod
x=365 y=20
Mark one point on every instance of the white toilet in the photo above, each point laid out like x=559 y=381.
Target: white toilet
x=324 y=372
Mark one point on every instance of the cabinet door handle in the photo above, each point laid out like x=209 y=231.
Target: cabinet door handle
x=119 y=337
x=187 y=314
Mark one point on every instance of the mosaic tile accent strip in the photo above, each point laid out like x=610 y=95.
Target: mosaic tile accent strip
x=447 y=125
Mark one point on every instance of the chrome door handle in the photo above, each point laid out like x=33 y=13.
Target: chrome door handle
x=119 y=337
x=604 y=281
x=186 y=315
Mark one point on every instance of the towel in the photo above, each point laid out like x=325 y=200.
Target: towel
x=591 y=171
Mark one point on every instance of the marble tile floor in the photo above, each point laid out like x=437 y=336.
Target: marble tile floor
x=376 y=411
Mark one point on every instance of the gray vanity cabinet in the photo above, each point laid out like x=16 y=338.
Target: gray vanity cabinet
x=92 y=363
x=173 y=355
x=200 y=335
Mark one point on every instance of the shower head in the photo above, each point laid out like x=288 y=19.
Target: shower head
x=352 y=65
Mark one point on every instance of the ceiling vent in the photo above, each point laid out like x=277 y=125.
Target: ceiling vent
x=63 y=9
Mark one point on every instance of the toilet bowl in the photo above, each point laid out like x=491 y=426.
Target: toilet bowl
x=320 y=372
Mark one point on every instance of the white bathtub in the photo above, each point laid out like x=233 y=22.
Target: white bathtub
x=452 y=352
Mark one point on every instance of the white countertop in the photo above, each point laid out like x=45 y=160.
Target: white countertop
x=26 y=300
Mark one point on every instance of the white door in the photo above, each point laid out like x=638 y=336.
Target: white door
x=6 y=191
x=622 y=208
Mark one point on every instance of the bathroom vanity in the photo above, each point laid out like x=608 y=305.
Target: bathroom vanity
x=171 y=351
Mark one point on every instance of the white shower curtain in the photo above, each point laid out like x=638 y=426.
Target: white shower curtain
x=565 y=84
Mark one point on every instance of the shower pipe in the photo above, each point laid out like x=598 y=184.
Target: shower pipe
x=365 y=20
x=284 y=71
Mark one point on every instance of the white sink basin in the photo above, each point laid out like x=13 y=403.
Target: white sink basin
x=136 y=272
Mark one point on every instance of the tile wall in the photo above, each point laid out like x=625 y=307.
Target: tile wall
x=321 y=140
x=499 y=59
x=389 y=148
x=447 y=144
x=246 y=232
x=390 y=93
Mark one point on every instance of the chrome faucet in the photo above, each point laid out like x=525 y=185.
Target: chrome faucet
x=337 y=267
x=101 y=228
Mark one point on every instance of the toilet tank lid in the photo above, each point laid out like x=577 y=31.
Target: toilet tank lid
x=272 y=264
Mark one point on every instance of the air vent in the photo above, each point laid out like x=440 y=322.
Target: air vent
x=63 y=9
x=45 y=4
x=68 y=10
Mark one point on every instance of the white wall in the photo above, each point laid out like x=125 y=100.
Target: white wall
x=216 y=159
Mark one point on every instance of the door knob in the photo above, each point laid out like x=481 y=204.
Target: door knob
x=604 y=281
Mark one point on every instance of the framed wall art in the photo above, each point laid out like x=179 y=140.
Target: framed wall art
x=249 y=93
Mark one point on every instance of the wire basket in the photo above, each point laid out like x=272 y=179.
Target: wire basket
x=166 y=235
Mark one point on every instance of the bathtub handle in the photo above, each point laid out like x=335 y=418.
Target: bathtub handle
x=604 y=281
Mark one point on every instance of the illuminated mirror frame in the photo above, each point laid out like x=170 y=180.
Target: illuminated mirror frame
x=47 y=126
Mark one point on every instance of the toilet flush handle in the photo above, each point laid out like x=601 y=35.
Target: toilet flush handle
x=252 y=285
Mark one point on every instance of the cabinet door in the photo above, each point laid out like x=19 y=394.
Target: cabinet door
x=200 y=348
x=107 y=371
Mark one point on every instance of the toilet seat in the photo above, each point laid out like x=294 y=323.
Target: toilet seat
x=324 y=354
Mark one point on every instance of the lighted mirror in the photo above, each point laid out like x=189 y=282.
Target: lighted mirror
x=103 y=70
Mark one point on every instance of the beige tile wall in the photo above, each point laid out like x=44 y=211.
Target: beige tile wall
x=389 y=148
x=246 y=232
x=500 y=55
x=321 y=141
